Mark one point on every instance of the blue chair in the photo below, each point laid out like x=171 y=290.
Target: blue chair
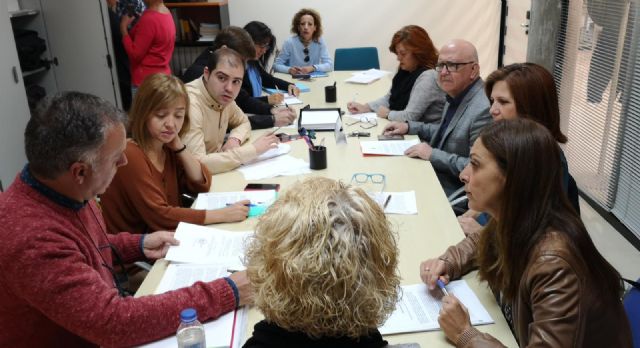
x=356 y=58
x=632 y=307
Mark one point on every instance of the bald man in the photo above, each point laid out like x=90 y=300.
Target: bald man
x=446 y=145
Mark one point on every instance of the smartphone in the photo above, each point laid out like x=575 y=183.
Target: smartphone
x=254 y=187
x=390 y=137
x=301 y=76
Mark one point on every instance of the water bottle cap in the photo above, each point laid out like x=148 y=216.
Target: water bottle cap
x=188 y=315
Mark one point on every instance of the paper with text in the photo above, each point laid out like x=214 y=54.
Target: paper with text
x=207 y=245
x=279 y=166
x=387 y=148
x=418 y=309
x=218 y=200
x=367 y=76
x=403 y=203
x=282 y=149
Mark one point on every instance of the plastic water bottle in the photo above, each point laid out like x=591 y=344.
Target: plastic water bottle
x=190 y=332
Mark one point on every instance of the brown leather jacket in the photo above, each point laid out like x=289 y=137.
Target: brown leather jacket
x=554 y=306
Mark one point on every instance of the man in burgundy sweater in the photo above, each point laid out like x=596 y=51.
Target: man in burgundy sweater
x=56 y=259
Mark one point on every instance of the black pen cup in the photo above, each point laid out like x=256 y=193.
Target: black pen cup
x=330 y=94
x=318 y=157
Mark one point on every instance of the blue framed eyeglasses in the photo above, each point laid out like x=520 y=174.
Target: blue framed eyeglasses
x=374 y=178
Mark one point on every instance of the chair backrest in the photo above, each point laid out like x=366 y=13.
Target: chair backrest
x=356 y=58
x=632 y=307
x=573 y=194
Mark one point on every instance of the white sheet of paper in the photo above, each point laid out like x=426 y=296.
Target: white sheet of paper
x=217 y=200
x=367 y=76
x=278 y=166
x=388 y=147
x=206 y=245
x=218 y=332
x=282 y=149
x=290 y=100
x=403 y=203
x=418 y=310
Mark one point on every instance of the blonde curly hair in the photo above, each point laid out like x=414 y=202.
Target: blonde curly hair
x=323 y=261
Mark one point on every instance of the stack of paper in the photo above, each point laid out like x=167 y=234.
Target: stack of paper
x=319 y=119
x=260 y=200
x=418 y=309
x=279 y=166
x=367 y=76
x=387 y=148
x=282 y=149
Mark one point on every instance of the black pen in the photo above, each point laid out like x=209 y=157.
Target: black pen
x=386 y=202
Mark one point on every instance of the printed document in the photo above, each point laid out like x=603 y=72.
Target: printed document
x=387 y=148
x=367 y=76
x=206 y=245
x=217 y=200
x=418 y=309
x=277 y=166
x=282 y=149
x=402 y=203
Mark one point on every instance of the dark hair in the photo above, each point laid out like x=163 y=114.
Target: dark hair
x=534 y=93
x=418 y=42
x=67 y=128
x=233 y=58
x=533 y=203
x=261 y=34
x=236 y=39
x=295 y=22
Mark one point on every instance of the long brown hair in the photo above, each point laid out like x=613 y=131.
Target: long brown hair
x=534 y=93
x=418 y=42
x=532 y=204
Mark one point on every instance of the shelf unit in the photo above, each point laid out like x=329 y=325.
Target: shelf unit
x=188 y=16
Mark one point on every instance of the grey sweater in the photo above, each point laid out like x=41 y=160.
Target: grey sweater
x=425 y=102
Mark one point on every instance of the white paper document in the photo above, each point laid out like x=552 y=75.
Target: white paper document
x=218 y=200
x=418 y=310
x=403 y=203
x=387 y=147
x=278 y=166
x=367 y=76
x=221 y=332
x=290 y=100
x=206 y=245
x=282 y=149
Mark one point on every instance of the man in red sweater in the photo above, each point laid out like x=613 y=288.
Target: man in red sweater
x=56 y=266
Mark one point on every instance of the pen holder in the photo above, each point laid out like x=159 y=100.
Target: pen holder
x=330 y=94
x=318 y=157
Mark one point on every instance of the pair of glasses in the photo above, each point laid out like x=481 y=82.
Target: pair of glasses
x=365 y=122
x=451 y=66
x=264 y=45
x=374 y=178
x=306 y=54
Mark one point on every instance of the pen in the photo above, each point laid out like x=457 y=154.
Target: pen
x=232 y=270
x=188 y=197
x=275 y=130
x=246 y=205
x=442 y=287
x=386 y=202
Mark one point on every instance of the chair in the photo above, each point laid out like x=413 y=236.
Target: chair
x=632 y=307
x=356 y=58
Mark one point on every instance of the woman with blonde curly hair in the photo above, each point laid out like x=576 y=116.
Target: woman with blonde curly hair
x=323 y=266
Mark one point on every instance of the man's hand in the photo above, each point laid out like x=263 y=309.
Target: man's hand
x=266 y=142
x=283 y=116
x=231 y=143
x=157 y=244
x=383 y=112
x=454 y=318
x=396 y=128
x=244 y=287
x=357 y=108
x=275 y=98
x=422 y=150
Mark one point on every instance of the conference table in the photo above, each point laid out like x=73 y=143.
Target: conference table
x=422 y=236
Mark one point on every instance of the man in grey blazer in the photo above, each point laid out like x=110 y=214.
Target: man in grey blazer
x=465 y=113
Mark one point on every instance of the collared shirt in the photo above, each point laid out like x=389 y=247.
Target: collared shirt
x=46 y=191
x=453 y=103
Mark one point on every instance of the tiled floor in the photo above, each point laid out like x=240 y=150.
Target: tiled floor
x=615 y=248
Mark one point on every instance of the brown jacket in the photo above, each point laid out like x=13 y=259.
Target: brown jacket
x=554 y=305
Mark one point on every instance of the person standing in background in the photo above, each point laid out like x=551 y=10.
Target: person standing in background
x=150 y=42
x=305 y=52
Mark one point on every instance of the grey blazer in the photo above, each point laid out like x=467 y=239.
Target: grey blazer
x=451 y=155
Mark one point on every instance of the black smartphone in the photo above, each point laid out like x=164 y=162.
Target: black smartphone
x=301 y=76
x=391 y=137
x=254 y=187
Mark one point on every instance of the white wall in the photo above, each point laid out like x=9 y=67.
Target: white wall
x=349 y=23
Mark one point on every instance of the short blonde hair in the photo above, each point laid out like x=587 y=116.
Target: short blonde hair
x=323 y=261
x=156 y=92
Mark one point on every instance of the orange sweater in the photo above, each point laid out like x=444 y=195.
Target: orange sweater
x=141 y=199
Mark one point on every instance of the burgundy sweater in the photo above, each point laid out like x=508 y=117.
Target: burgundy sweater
x=57 y=289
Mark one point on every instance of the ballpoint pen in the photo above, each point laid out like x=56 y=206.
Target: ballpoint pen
x=442 y=287
x=386 y=202
x=275 y=130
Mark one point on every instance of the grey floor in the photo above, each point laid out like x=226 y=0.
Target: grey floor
x=615 y=248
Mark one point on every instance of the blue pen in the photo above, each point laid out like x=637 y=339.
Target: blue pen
x=442 y=287
x=246 y=205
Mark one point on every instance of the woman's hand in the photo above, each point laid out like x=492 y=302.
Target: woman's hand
x=454 y=318
x=293 y=90
x=175 y=144
x=275 y=98
x=306 y=69
x=125 y=21
x=432 y=270
x=231 y=143
x=469 y=225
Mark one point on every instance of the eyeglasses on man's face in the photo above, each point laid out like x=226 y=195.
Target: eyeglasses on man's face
x=306 y=54
x=451 y=66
